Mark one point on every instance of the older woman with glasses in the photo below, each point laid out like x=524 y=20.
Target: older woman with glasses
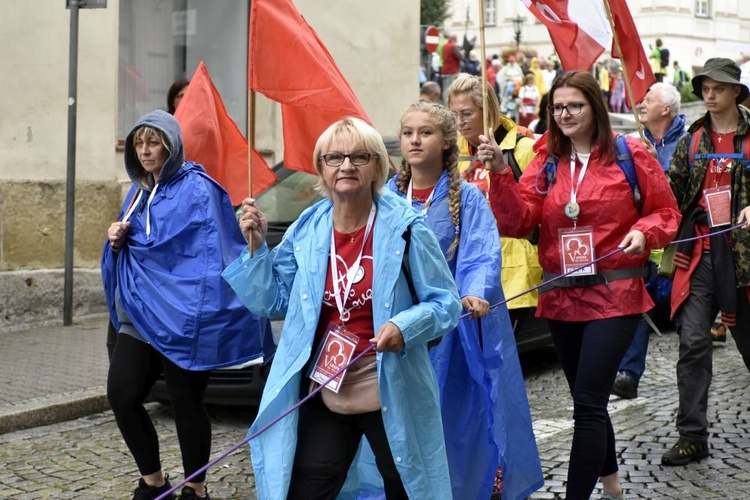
x=359 y=268
x=587 y=209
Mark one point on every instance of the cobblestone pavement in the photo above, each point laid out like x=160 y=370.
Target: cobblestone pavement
x=86 y=458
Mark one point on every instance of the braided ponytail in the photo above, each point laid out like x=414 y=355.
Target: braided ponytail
x=446 y=122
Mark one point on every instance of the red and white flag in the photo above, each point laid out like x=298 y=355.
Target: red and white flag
x=580 y=32
x=633 y=56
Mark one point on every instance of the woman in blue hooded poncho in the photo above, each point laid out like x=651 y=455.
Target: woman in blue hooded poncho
x=483 y=399
x=173 y=312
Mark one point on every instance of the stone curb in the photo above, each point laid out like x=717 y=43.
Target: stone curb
x=52 y=409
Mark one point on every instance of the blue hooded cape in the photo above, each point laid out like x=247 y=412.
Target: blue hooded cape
x=167 y=277
x=666 y=145
x=485 y=411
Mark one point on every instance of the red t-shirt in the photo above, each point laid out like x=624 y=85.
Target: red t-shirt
x=421 y=195
x=477 y=175
x=718 y=174
x=358 y=306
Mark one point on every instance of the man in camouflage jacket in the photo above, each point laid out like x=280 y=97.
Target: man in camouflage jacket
x=714 y=272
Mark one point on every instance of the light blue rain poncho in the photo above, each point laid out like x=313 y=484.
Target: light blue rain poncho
x=290 y=281
x=484 y=406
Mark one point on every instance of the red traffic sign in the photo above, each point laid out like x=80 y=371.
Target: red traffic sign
x=431 y=38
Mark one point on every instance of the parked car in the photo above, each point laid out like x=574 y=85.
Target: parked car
x=283 y=203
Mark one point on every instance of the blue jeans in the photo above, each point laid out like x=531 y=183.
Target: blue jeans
x=634 y=362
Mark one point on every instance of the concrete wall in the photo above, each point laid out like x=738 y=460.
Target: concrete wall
x=376 y=45
x=34 y=51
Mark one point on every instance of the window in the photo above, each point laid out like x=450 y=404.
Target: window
x=489 y=13
x=701 y=8
x=161 y=41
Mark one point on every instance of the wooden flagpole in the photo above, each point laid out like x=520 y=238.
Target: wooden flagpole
x=485 y=85
x=250 y=147
x=631 y=97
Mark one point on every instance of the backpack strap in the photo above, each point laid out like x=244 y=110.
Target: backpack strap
x=624 y=159
x=409 y=282
x=695 y=142
x=510 y=158
x=550 y=171
x=405 y=268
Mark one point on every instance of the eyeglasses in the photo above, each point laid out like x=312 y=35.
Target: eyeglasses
x=465 y=115
x=358 y=158
x=574 y=108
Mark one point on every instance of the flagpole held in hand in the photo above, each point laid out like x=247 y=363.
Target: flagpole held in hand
x=631 y=98
x=485 y=86
x=250 y=148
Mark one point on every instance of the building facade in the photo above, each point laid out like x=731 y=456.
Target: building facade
x=693 y=30
x=129 y=54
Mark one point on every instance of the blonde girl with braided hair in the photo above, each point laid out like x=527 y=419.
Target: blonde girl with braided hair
x=486 y=418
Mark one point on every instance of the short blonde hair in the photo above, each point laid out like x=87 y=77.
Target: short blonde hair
x=360 y=132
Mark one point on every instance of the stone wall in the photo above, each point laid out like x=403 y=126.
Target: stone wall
x=32 y=248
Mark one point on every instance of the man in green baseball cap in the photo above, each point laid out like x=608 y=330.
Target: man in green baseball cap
x=708 y=175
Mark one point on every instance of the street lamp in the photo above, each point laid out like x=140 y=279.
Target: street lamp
x=517 y=26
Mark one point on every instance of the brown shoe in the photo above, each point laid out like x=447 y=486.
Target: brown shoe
x=719 y=332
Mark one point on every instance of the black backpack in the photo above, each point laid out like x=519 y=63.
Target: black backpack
x=664 y=55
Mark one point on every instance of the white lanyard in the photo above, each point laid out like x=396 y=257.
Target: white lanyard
x=426 y=202
x=133 y=206
x=352 y=272
x=584 y=166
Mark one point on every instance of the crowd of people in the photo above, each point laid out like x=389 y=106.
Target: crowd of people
x=402 y=282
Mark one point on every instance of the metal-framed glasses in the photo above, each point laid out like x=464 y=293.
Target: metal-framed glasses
x=465 y=115
x=357 y=158
x=573 y=108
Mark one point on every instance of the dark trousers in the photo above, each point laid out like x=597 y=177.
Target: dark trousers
x=133 y=370
x=695 y=364
x=326 y=445
x=590 y=354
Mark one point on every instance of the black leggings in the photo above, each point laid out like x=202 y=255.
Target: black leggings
x=326 y=445
x=590 y=353
x=133 y=369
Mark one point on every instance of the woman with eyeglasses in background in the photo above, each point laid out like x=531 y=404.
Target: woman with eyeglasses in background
x=340 y=275
x=587 y=209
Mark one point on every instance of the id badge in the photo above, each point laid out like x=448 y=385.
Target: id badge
x=719 y=204
x=577 y=250
x=336 y=351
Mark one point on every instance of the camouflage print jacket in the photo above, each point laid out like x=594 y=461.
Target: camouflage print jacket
x=687 y=185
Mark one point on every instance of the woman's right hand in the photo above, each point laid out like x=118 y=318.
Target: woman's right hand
x=117 y=233
x=253 y=224
x=489 y=152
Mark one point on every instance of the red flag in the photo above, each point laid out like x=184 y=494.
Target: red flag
x=211 y=138
x=633 y=57
x=578 y=34
x=289 y=64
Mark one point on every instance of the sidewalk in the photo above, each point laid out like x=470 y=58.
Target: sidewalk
x=52 y=373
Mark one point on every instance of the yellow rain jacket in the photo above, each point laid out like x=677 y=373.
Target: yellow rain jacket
x=520 y=268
